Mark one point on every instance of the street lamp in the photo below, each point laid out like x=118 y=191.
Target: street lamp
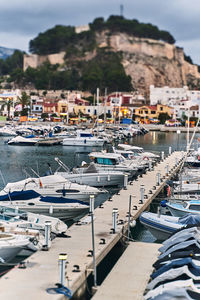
x=178 y=133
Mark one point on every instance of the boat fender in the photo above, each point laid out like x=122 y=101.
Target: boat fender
x=199 y=157
x=85 y=141
x=133 y=223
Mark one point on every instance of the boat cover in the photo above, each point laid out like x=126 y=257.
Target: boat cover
x=179 y=263
x=176 y=293
x=190 y=219
x=172 y=274
x=180 y=233
x=180 y=239
x=193 y=244
x=172 y=286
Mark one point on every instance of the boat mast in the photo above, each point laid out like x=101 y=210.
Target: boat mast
x=97 y=109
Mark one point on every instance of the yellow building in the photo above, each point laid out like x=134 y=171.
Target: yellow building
x=62 y=108
x=147 y=112
x=79 y=109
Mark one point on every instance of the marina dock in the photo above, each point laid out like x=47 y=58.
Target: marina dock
x=140 y=257
x=42 y=269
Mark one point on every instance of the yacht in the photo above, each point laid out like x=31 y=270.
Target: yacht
x=26 y=220
x=113 y=162
x=83 y=138
x=7 y=131
x=11 y=245
x=138 y=151
x=179 y=209
x=48 y=186
x=64 y=209
x=23 y=141
x=89 y=175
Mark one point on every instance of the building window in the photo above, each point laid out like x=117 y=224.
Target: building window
x=153 y=112
x=161 y=108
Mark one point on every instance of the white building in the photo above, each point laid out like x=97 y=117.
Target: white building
x=181 y=99
x=165 y=94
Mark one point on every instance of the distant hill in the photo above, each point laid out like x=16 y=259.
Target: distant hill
x=116 y=54
x=6 y=52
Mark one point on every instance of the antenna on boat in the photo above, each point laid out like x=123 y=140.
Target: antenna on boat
x=62 y=164
x=26 y=173
x=35 y=173
x=4 y=182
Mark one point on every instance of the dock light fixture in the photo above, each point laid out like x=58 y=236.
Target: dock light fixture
x=162 y=155
x=176 y=161
x=125 y=181
x=167 y=169
x=47 y=234
x=158 y=178
x=142 y=191
x=170 y=150
x=62 y=265
x=91 y=210
x=129 y=216
x=150 y=165
x=114 y=219
x=93 y=241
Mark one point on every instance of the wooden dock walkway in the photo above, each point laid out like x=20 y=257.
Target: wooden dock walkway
x=42 y=269
x=130 y=275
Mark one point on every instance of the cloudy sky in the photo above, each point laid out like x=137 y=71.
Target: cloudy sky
x=22 y=20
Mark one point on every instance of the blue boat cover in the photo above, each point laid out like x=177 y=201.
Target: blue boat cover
x=189 y=219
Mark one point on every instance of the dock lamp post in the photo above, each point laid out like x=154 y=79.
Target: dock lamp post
x=129 y=216
x=142 y=190
x=62 y=266
x=162 y=155
x=91 y=212
x=158 y=178
x=114 y=219
x=47 y=233
x=178 y=133
x=125 y=181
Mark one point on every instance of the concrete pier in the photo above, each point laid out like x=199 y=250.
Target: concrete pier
x=129 y=277
x=42 y=269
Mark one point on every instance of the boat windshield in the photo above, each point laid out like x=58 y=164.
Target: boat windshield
x=86 y=135
x=194 y=207
x=105 y=161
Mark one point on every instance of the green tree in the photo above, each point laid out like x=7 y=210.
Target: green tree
x=163 y=117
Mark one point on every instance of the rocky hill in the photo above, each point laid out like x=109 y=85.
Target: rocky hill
x=148 y=61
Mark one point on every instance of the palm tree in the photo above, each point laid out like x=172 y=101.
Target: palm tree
x=24 y=100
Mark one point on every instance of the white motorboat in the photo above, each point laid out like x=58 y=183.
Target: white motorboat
x=11 y=245
x=27 y=220
x=162 y=226
x=138 y=151
x=113 y=162
x=185 y=187
x=83 y=138
x=89 y=175
x=7 y=131
x=23 y=141
x=61 y=208
x=52 y=186
x=179 y=209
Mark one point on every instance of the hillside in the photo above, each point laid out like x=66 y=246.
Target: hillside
x=117 y=54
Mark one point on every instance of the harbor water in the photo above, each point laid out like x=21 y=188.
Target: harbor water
x=18 y=162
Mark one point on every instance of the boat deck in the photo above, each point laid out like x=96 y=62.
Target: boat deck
x=128 y=281
x=42 y=269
